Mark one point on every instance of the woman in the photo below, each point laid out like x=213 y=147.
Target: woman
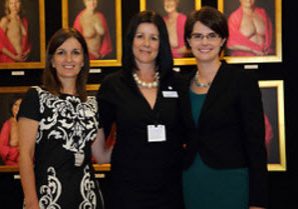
x=143 y=101
x=175 y=22
x=14 y=42
x=93 y=25
x=9 y=140
x=250 y=30
x=226 y=158
x=55 y=155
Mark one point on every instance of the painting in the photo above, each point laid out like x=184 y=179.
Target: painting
x=180 y=9
x=255 y=30
x=100 y=24
x=9 y=151
x=273 y=105
x=22 y=36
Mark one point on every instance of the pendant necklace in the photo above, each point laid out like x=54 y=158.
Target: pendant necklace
x=198 y=83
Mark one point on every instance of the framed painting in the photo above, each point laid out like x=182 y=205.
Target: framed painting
x=181 y=55
x=8 y=146
x=255 y=33
x=273 y=104
x=8 y=150
x=100 y=24
x=22 y=42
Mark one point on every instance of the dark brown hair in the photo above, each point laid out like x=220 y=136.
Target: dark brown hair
x=210 y=17
x=164 y=59
x=50 y=79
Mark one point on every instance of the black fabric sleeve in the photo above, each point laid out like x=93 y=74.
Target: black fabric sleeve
x=30 y=106
x=254 y=126
x=106 y=106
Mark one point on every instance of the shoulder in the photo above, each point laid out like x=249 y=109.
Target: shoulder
x=4 y=22
x=240 y=77
x=25 y=21
x=100 y=15
x=260 y=10
x=182 y=80
x=33 y=91
x=113 y=77
x=235 y=15
x=182 y=16
x=112 y=80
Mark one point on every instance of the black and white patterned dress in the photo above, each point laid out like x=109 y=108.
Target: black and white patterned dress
x=67 y=127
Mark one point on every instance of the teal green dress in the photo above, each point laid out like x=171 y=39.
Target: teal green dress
x=209 y=188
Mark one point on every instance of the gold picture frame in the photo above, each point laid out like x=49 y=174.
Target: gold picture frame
x=271 y=13
x=273 y=104
x=186 y=7
x=7 y=94
x=33 y=20
x=110 y=14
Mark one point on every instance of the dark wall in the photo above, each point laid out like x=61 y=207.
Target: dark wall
x=282 y=185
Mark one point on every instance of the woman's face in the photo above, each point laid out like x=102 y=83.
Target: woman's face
x=205 y=44
x=170 y=5
x=146 y=44
x=68 y=59
x=247 y=3
x=91 y=4
x=15 y=107
x=14 y=6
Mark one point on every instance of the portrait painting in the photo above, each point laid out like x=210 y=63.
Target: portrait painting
x=99 y=21
x=254 y=30
x=22 y=34
x=273 y=105
x=10 y=100
x=174 y=13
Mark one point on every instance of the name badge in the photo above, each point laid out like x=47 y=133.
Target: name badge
x=170 y=94
x=156 y=133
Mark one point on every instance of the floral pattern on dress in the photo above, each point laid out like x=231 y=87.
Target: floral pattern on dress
x=74 y=120
x=51 y=192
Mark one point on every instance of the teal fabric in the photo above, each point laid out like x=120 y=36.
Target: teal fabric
x=209 y=188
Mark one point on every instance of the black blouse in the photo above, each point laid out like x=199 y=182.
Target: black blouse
x=120 y=101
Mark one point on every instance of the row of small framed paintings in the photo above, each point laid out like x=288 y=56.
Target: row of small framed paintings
x=273 y=102
x=265 y=34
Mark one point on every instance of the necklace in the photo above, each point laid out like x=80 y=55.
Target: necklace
x=197 y=82
x=144 y=84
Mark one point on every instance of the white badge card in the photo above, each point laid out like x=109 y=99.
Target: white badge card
x=156 y=133
x=170 y=94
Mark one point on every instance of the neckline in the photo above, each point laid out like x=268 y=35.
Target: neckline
x=196 y=94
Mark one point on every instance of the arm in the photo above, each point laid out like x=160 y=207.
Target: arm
x=254 y=141
x=26 y=161
x=100 y=151
x=106 y=107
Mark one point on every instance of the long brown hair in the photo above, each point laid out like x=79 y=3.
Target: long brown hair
x=50 y=79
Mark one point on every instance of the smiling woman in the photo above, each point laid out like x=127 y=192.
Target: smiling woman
x=222 y=116
x=65 y=131
x=68 y=61
x=142 y=101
